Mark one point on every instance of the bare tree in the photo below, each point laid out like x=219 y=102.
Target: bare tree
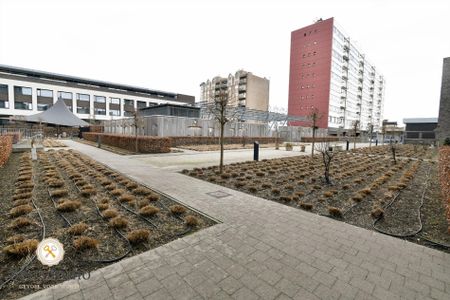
x=355 y=127
x=327 y=155
x=383 y=130
x=393 y=147
x=314 y=117
x=370 y=131
x=222 y=114
x=137 y=124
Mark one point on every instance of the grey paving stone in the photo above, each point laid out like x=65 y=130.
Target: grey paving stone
x=207 y=289
x=244 y=294
x=125 y=290
x=158 y=295
x=148 y=286
x=287 y=287
x=98 y=292
x=230 y=285
x=267 y=292
x=269 y=276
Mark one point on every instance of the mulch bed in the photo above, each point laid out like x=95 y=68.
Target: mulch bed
x=164 y=227
x=364 y=181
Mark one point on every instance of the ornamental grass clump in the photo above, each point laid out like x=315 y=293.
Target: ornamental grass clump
x=20 y=222
x=85 y=243
x=21 y=249
x=68 y=205
x=191 y=221
x=138 y=236
x=377 y=213
x=20 y=210
x=110 y=213
x=77 y=229
x=118 y=222
x=335 y=212
x=177 y=209
x=149 y=210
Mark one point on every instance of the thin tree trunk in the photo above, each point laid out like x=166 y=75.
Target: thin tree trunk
x=222 y=125
x=136 y=141
x=314 y=140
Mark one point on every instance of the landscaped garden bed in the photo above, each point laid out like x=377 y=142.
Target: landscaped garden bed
x=367 y=189
x=99 y=215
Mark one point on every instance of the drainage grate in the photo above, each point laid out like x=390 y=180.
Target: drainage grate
x=218 y=194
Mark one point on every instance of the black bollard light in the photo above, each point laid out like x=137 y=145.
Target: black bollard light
x=256 y=151
x=348 y=145
x=376 y=142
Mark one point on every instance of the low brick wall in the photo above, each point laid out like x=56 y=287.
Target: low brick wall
x=146 y=144
x=14 y=135
x=444 y=178
x=210 y=140
x=5 y=148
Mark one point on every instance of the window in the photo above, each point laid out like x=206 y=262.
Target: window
x=114 y=112
x=64 y=95
x=23 y=105
x=100 y=111
x=21 y=90
x=4 y=97
x=45 y=93
x=129 y=102
x=99 y=99
x=83 y=110
x=114 y=100
x=141 y=104
x=42 y=107
x=83 y=97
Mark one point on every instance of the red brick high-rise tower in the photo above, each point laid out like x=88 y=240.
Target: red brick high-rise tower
x=329 y=74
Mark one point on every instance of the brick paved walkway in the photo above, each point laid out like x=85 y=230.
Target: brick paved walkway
x=262 y=250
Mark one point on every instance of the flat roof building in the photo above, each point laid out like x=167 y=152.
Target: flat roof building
x=25 y=92
x=420 y=130
x=243 y=89
x=328 y=73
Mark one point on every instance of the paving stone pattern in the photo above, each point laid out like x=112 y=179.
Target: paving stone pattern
x=261 y=250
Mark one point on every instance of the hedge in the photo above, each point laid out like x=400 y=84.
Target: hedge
x=5 y=148
x=212 y=140
x=320 y=139
x=146 y=144
x=15 y=136
x=444 y=178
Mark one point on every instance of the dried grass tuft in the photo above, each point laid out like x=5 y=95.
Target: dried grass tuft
x=335 y=212
x=138 y=236
x=142 y=191
x=110 y=213
x=191 y=221
x=148 y=210
x=17 y=238
x=177 y=209
x=20 y=222
x=68 y=205
x=127 y=198
x=20 y=210
x=78 y=229
x=306 y=206
x=85 y=242
x=118 y=222
x=58 y=193
x=21 y=249
x=377 y=213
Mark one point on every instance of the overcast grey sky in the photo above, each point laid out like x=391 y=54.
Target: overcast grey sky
x=174 y=45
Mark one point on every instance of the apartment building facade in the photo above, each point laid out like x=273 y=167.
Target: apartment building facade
x=243 y=88
x=329 y=74
x=25 y=92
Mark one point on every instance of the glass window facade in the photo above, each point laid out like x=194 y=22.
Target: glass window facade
x=83 y=97
x=4 y=96
x=100 y=111
x=114 y=100
x=45 y=93
x=65 y=95
x=21 y=90
x=100 y=99
x=129 y=102
x=83 y=110
x=114 y=112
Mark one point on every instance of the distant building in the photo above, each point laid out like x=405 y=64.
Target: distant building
x=171 y=110
x=25 y=92
x=443 y=129
x=420 y=130
x=392 y=132
x=329 y=73
x=244 y=89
